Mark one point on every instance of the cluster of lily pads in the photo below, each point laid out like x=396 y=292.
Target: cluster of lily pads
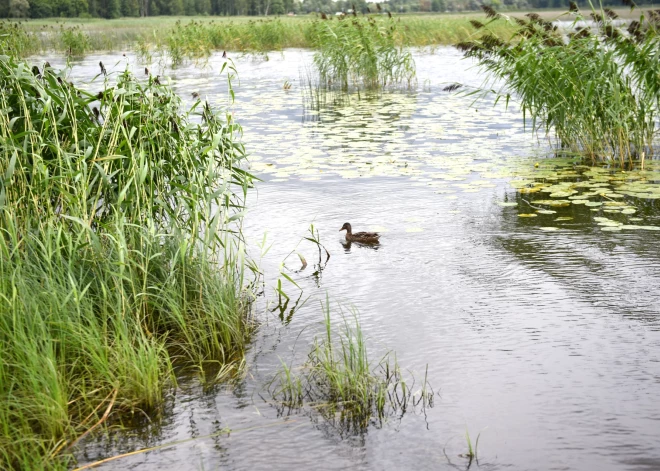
x=561 y=183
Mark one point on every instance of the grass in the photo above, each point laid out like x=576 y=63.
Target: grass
x=119 y=254
x=343 y=384
x=238 y=34
x=595 y=93
x=362 y=53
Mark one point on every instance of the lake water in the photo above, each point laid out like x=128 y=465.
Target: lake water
x=541 y=332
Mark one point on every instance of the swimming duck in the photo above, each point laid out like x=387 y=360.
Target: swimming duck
x=364 y=237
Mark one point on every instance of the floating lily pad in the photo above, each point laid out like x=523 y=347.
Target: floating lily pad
x=549 y=229
x=558 y=203
x=593 y=203
x=564 y=218
x=507 y=204
x=527 y=215
x=611 y=228
x=562 y=194
x=546 y=211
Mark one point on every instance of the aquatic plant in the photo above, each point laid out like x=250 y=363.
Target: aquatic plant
x=343 y=384
x=118 y=254
x=16 y=40
x=74 y=41
x=231 y=34
x=362 y=52
x=595 y=92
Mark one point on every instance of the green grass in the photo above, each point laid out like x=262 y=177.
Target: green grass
x=596 y=94
x=119 y=258
x=343 y=384
x=239 y=34
x=361 y=52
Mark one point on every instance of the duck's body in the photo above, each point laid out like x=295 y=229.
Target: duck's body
x=364 y=237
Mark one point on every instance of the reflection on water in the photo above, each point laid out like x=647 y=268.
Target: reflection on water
x=540 y=332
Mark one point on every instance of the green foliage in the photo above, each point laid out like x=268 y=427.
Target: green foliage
x=18 y=8
x=339 y=379
x=598 y=92
x=16 y=41
x=74 y=41
x=117 y=253
x=362 y=52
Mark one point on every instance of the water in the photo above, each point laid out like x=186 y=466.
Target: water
x=546 y=342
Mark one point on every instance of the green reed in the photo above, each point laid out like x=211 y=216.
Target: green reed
x=237 y=34
x=339 y=379
x=16 y=40
x=74 y=41
x=361 y=52
x=596 y=91
x=119 y=257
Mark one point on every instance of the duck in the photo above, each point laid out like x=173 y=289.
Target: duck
x=364 y=237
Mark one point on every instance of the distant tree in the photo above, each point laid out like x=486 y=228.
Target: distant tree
x=112 y=9
x=438 y=5
x=19 y=8
x=276 y=7
x=130 y=8
x=203 y=7
x=40 y=9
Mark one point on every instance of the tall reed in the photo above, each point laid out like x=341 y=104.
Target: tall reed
x=595 y=90
x=118 y=258
x=343 y=384
x=361 y=52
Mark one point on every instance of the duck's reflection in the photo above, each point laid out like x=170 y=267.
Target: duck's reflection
x=348 y=244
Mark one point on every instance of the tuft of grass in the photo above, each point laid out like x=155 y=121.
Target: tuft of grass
x=74 y=41
x=361 y=52
x=16 y=40
x=120 y=254
x=342 y=383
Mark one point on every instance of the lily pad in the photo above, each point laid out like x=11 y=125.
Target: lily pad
x=527 y=215
x=549 y=229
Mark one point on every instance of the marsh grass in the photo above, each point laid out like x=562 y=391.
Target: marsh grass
x=340 y=381
x=594 y=91
x=74 y=41
x=363 y=52
x=120 y=254
x=16 y=40
x=236 y=34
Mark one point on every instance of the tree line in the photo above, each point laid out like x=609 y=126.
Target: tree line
x=136 y=8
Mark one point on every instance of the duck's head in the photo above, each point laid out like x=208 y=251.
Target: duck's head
x=346 y=227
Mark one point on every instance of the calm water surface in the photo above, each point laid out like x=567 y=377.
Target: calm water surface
x=547 y=342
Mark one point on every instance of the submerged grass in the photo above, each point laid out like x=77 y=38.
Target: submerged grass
x=343 y=384
x=597 y=91
x=118 y=259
